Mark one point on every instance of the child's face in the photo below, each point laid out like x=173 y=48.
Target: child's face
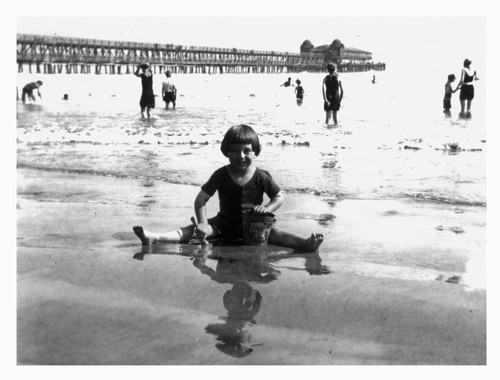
x=241 y=156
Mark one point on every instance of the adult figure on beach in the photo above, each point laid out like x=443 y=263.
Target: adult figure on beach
x=332 y=93
x=466 y=88
x=147 y=97
x=28 y=91
x=169 y=91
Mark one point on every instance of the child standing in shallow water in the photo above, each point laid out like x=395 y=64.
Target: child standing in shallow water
x=448 y=91
x=241 y=186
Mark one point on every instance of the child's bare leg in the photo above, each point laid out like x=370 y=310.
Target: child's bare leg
x=180 y=235
x=287 y=239
x=335 y=118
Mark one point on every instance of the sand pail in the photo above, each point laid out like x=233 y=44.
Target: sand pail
x=256 y=227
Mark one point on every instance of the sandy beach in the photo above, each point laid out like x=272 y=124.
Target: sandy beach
x=89 y=293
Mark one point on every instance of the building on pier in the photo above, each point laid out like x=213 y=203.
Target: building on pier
x=346 y=58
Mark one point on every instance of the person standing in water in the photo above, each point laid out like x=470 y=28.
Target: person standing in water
x=448 y=91
x=168 y=91
x=332 y=93
x=466 y=88
x=28 y=91
x=147 y=101
x=299 y=91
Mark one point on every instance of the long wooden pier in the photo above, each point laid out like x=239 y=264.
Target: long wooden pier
x=56 y=55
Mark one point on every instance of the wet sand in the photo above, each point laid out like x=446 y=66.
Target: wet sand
x=390 y=284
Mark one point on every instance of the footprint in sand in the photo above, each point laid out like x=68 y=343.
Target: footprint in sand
x=326 y=219
x=457 y=230
x=452 y=280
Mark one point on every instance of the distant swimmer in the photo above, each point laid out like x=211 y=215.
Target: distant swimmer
x=169 y=91
x=288 y=83
x=28 y=91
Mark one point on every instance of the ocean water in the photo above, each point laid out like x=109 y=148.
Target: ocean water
x=393 y=140
x=384 y=187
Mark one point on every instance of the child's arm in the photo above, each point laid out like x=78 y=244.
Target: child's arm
x=462 y=74
x=200 y=209
x=273 y=205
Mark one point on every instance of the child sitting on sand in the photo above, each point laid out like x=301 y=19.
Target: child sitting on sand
x=241 y=186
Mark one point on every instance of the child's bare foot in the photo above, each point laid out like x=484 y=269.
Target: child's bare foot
x=312 y=243
x=143 y=235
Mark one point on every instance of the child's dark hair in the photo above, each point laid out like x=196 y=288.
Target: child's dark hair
x=331 y=67
x=240 y=134
x=451 y=77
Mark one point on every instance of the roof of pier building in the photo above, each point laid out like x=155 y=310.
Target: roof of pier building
x=334 y=50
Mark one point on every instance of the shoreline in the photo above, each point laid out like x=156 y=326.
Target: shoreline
x=371 y=296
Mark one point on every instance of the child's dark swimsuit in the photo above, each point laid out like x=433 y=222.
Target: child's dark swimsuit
x=300 y=92
x=233 y=198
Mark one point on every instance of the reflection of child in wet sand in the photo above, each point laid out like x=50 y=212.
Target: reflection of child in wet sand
x=448 y=91
x=242 y=303
x=241 y=186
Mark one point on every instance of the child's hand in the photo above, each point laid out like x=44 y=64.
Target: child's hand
x=202 y=230
x=260 y=210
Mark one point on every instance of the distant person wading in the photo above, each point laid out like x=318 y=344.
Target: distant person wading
x=332 y=93
x=28 y=91
x=466 y=87
x=169 y=91
x=147 y=101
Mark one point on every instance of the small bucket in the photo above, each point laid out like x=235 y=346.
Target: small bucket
x=256 y=227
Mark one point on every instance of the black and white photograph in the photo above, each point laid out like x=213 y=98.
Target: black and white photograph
x=251 y=189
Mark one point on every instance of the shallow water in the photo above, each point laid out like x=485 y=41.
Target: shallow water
x=371 y=288
x=391 y=143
